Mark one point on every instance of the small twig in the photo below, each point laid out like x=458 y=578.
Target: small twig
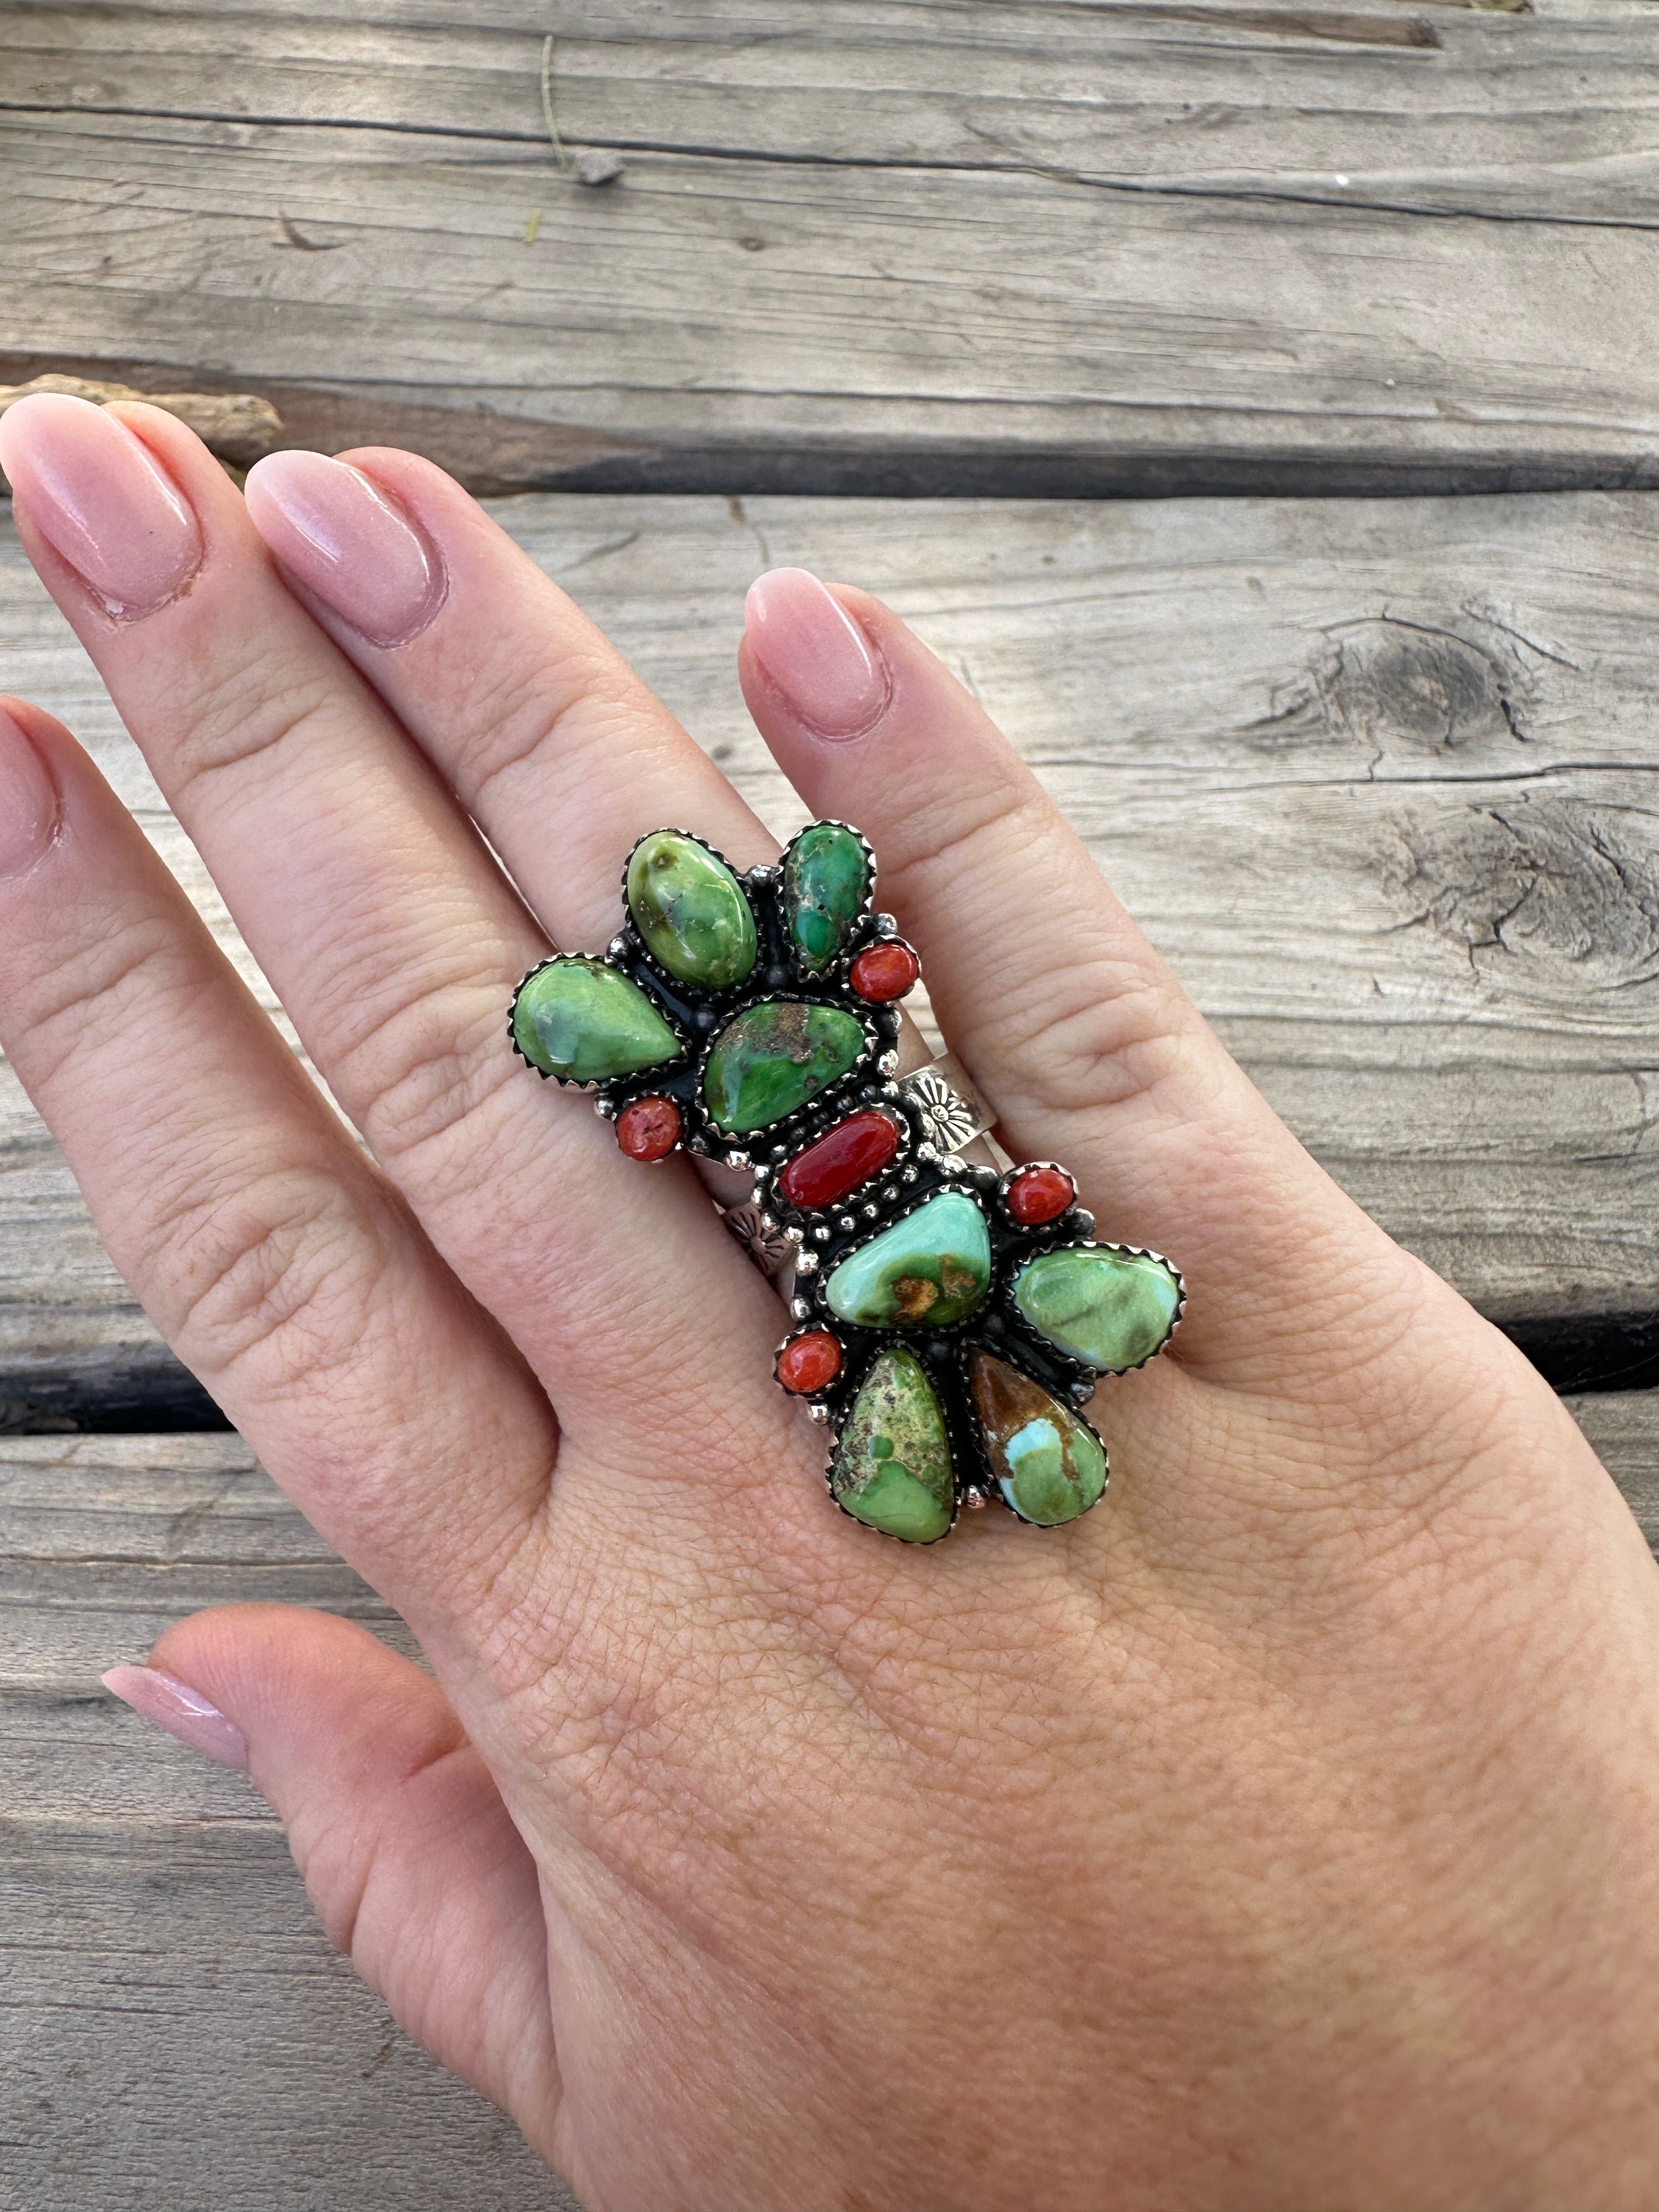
x=547 y=102
x=592 y=166
x=296 y=238
x=237 y=426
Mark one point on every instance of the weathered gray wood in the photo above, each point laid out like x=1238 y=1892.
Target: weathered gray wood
x=1192 y=244
x=1378 y=778
x=176 y=2031
x=1623 y=1427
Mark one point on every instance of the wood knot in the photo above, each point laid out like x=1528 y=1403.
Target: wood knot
x=1396 y=685
x=1559 y=896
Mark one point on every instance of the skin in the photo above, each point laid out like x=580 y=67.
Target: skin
x=1278 y=1836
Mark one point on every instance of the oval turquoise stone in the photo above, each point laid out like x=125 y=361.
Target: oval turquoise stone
x=584 y=1022
x=891 y=1467
x=1109 y=1308
x=1049 y=1465
x=925 y=1272
x=826 y=882
x=691 y=911
x=774 y=1058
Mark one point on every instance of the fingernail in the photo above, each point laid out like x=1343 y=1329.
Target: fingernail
x=182 y=1711
x=342 y=536
x=102 y=501
x=28 y=804
x=815 y=654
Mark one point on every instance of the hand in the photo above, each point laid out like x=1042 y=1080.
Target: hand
x=1279 y=1835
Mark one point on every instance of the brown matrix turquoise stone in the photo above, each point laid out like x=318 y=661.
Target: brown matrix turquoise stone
x=826 y=880
x=891 y=1467
x=928 y=1270
x=578 y=1019
x=691 y=911
x=774 y=1058
x=1049 y=1466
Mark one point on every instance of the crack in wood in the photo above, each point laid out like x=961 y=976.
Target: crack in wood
x=1342 y=202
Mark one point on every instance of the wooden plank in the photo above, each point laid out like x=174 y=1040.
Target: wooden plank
x=1378 y=777
x=1070 y=249
x=1623 y=1427
x=150 y=2053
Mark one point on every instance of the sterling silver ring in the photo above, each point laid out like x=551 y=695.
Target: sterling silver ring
x=952 y=1312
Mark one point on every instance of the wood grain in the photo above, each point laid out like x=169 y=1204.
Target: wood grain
x=1378 y=777
x=176 y=2031
x=913 y=247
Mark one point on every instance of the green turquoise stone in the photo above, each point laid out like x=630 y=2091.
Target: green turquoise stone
x=691 y=911
x=891 y=1467
x=1049 y=1465
x=1109 y=1308
x=774 y=1058
x=826 y=881
x=579 y=1019
x=929 y=1270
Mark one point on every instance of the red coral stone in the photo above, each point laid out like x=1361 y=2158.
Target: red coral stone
x=885 y=971
x=1039 y=1194
x=840 y=1160
x=649 y=1129
x=809 y=1362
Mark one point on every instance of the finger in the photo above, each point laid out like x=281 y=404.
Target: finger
x=267 y=1249
x=527 y=711
x=552 y=744
x=1075 y=1028
x=380 y=918
x=416 y=1872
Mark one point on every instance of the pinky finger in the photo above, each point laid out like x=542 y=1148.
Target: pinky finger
x=409 y=1856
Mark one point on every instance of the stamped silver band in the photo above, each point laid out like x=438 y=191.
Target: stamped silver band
x=760 y=1237
x=952 y=1105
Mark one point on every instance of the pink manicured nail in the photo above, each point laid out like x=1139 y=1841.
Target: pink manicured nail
x=102 y=501
x=815 y=652
x=182 y=1711
x=28 y=804
x=343 y=538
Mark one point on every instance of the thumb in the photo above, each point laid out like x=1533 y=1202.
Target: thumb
x=407 y=1851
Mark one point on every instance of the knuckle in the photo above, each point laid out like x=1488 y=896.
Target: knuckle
x=277 y=1279
x=520 y=716
x=426 y=1064
x=1104 y=1025
x=942 y=838
x=91 y=989
x=242 y=709
x=1103 y=1033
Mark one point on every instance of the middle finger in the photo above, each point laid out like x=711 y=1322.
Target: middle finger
x=384 y=924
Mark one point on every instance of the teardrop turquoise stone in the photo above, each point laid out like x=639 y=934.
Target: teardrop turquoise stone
x=691 y=911
x=1049 y=1465
x=1108 y=1307
x=925 y=1272
x=774 y=1058
x=826 y=881
x=580 y=1020
x=891 y=1467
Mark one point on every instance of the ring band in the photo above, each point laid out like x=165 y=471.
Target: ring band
x=951 y=1318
